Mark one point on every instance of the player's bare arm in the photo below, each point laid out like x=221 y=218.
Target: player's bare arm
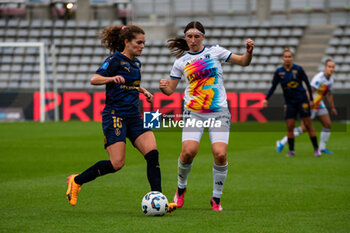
x=101 y=80
x=331 y=103
x=311 y=102
x=265 y=103
x=245 y=59
x=148 y=94
x=168 y=86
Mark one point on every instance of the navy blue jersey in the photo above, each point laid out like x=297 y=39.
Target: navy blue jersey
x=123 y=98
x=291 y=83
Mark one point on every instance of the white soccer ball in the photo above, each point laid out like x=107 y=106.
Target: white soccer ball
x=154 y=204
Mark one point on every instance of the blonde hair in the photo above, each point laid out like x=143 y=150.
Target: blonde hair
x=287 y=50
x=328 y=60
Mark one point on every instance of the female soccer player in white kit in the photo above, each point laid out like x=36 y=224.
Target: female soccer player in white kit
x=205 y=98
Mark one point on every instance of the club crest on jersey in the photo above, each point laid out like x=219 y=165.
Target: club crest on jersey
x=295 y=72
x=105 y=65
x=207 y=56
x=117 y=131
x=305 y=106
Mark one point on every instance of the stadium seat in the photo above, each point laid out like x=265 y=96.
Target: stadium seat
x=345 y=41
x=342 y=50
x=228 y=32
x=270 y=69
x=47 y=24
x=71 y=24
x=338 y=59
x=239 y=32
x=293 y=42
x=338 y=32
x=274 y=32
x=262 y=32
x=297 y=32
x=59 y=24
x=244 y=77
x=3 y=84
x=275 y=60
x=3 y=23
x=347 y=31
x=344 y=68
x=251 y=32
x=285 y=32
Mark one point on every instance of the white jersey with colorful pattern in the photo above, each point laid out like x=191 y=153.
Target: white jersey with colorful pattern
x=205 y=91
x=322 y=86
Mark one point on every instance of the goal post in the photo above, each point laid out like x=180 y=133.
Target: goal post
x=42 y=73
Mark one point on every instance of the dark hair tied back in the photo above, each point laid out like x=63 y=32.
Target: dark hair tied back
x=178 y=45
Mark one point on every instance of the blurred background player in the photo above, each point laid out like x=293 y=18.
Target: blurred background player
x=291 y=76
x=205 y=98
x=321 y=86
x=121 y=118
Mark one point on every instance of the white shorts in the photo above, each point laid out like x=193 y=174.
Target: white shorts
x=218 y=124
x=318 y=112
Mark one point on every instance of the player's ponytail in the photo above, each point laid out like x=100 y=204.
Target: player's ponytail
x=112 y=37
x=178 y=46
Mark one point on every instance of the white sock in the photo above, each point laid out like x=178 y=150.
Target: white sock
x=184 y=170
x=325 y=134
x=219 y=175
x=297 y=132
x=284 y=140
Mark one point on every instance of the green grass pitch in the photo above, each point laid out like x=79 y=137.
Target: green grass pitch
x=264 y=190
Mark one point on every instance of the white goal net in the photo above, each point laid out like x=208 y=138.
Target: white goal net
x=6 y=57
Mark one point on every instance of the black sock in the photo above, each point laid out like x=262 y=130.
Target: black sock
x=291 y=144
x=314 y=142
x=180 y=191
x=217 y=200
x=100 y=168
x=153 y=170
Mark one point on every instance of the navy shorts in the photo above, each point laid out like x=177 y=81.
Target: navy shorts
x=292 y=110
x=117 y=129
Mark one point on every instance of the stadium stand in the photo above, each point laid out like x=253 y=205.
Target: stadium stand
x=79 y=52
x=339 y=49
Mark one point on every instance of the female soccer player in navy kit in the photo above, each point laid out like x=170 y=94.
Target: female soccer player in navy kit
x=205 y=99
x=291 y=76
x=321 y=85
x=121 y=118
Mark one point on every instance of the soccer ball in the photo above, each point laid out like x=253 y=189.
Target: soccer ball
x=154 y=204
